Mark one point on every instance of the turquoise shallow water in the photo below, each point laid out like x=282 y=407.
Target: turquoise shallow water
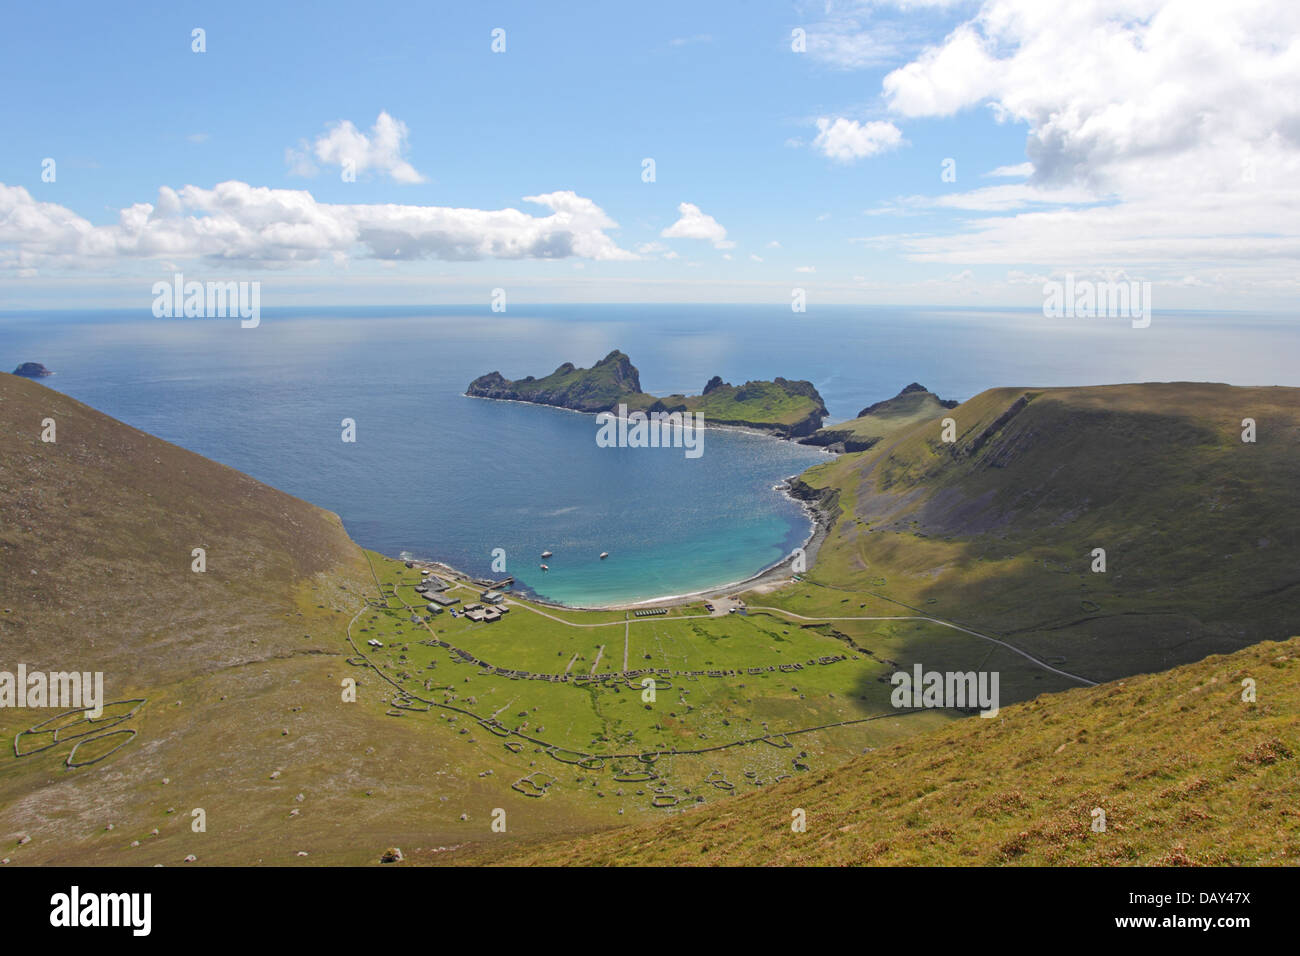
x=442 y=476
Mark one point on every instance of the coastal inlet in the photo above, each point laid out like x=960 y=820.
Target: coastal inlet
x=678 y=524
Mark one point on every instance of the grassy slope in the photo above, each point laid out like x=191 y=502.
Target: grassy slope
x=910 y=408
x=1021 y=788
x=759 y=403
x=997 y=529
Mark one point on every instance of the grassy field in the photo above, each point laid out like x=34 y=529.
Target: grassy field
x=719 y=688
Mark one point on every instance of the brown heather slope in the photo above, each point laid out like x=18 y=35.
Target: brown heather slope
x=96 y=535
x=1186 y=772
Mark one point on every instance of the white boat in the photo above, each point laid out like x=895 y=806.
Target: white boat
x=604 y=555
x=546 y=554
x=545 y=568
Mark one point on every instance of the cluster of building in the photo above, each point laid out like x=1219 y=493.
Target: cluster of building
x=434 y=590
x=494 y=612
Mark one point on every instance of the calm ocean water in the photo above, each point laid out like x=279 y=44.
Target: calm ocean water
x=443 y=476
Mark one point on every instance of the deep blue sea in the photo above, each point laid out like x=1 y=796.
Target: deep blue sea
x=438 y=475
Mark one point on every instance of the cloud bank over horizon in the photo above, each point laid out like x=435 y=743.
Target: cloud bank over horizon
x=250 y=226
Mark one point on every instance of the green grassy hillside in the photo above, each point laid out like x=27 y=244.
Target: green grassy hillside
x=791 y=408
x=997 y=528
x=1183 y=769
x=913 y=405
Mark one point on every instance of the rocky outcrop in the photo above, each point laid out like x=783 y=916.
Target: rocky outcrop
x=824 y=503
x=597 y=389
x=798 y=488
x=914 y=387
x=839 y=441
x=805 y=426
x=32 y=370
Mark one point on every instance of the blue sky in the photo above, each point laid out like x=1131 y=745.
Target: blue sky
x=855 y=209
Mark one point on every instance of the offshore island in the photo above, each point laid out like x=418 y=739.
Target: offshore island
x=789 y=409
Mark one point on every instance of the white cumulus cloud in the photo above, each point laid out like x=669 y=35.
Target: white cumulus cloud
x=345 y=146
x=694 y=223
x=1178 y=119
x=845 y=140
